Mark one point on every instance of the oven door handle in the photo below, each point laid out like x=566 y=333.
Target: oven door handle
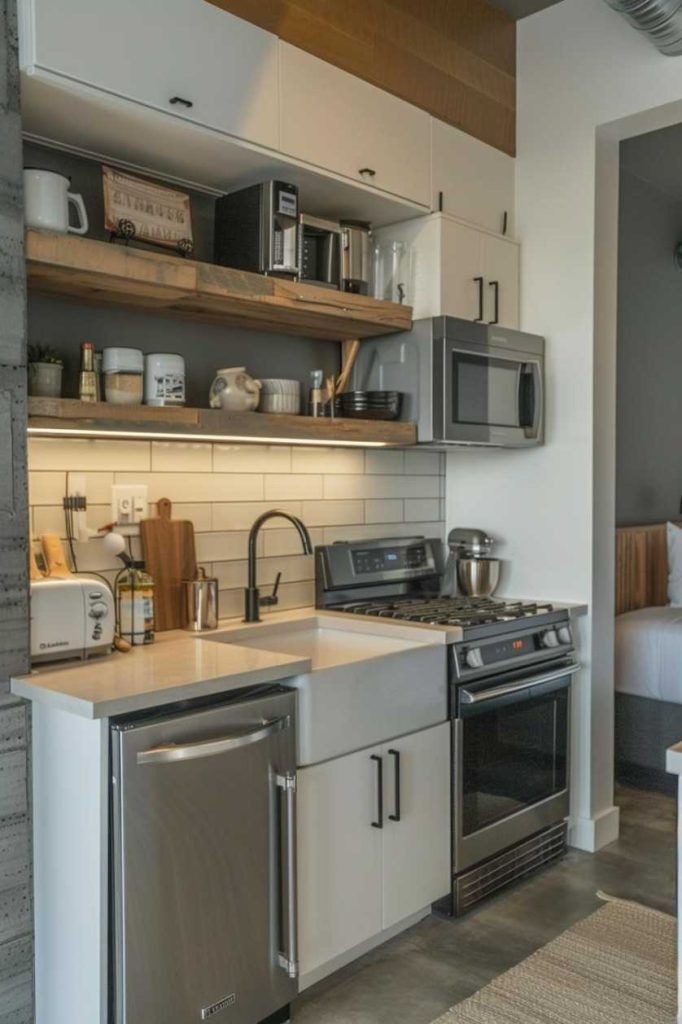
x=478 y=697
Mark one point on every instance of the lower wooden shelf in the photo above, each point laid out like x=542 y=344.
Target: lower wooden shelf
x=69 y=417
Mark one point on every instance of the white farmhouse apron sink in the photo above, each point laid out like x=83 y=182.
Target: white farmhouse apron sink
x=363 y=687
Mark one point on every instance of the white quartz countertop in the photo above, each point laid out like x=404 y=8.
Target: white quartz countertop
x=181 y=666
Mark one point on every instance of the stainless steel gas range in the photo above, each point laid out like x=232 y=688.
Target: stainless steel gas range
x=510 y=670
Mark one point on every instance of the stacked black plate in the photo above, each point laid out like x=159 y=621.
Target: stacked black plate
x=369 y=405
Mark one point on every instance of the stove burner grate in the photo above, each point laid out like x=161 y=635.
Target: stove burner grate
x=447 y=611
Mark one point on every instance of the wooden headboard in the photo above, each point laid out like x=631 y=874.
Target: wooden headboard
x=641 y=567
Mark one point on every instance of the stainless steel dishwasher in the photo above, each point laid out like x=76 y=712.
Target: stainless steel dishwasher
x=203 y=859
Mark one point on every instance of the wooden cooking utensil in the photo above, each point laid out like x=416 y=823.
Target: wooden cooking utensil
x=350 y=354
x=170 y=558
x=55 y=559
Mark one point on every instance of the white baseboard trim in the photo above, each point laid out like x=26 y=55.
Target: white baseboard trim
x=591 y=834
x=318 y=973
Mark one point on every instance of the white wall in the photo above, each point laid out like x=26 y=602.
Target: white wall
x=580 y=67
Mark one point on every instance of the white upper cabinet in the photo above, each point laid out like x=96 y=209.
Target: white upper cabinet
x=342 y=124
x=476 y=181
x=186 y=57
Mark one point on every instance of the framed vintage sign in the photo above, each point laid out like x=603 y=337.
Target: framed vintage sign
x=139 y=210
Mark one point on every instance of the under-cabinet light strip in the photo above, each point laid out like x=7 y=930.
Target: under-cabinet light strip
x=144 y=435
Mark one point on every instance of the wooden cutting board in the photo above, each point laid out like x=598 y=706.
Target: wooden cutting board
x=170 y=558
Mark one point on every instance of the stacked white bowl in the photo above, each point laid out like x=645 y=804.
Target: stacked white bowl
x=280 y=396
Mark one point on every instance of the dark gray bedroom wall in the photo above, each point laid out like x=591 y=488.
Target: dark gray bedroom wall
x=16 y=942
x=649 y=365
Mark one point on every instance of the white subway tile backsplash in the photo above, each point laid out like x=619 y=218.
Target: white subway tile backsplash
x=381 y=487
x=294 y=569
x=287 y=542
x=422 y=510
x=327 y=460
x=181 y=457
x=292 y=486
x=251 y=458
x=384 y=510
x=341 y=494
x=241 y=515
x=197 y=487
x=223 y=546
x=423 y=463
x=46 y=488
x=76 y=453
x=332 y=513
x=383 y=461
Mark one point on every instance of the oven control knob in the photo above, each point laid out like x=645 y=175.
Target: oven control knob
x=550 y=639
x=474 y=658
x=564 y=634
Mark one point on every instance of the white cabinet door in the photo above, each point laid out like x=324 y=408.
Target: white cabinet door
x=158 y=51
x=501 y=273
x=463 y=287
x=339 y=857
x=338 y=122
x=477 y=182
x=416 y=864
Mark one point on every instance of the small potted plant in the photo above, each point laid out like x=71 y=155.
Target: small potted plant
x=44 y=372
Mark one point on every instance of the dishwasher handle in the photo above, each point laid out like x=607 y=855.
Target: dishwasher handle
x=288 y=953
x=170 y=752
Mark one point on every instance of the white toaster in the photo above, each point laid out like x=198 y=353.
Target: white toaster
x=71 y=618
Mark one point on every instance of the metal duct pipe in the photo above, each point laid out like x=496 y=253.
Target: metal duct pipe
x=659 y=20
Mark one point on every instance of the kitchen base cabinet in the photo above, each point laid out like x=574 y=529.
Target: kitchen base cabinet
x=416 y=862
x=339 y=858
x=460 y=270
x=373 y=846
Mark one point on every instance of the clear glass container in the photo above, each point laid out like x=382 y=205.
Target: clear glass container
x=393 y=272
x=135 y=605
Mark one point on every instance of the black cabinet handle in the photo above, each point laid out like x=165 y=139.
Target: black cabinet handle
x=479 y=282
x=396 y=767
x=379 y=823
x=367 y=172
x=495 y=285
x=178 y=99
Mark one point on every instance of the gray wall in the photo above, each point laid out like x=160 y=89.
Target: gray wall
x=649 y=375
x=16 y=944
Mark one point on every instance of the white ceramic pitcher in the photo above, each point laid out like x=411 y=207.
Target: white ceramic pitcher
x=46 y=200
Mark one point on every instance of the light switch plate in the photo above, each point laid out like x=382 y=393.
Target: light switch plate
x=128 y=506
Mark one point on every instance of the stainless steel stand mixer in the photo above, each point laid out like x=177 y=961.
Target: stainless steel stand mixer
x=469 y=569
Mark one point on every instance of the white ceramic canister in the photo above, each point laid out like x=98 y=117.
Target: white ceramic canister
x=164 y=379
x=46 y=202
x=123 y=370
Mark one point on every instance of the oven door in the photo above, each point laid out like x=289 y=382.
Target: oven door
x=510 y=761
x=492 y=397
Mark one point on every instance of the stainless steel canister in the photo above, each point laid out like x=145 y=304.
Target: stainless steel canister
x=201 y=597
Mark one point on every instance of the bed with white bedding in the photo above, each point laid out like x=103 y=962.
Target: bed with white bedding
x=649 y=654
x=648 y=651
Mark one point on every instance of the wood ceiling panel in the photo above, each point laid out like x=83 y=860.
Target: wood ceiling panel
x=452 y=58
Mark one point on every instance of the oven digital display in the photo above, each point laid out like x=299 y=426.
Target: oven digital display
x=505 y=649
x=371 y=560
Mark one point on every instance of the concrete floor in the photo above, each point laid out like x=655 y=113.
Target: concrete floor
x=417 y=976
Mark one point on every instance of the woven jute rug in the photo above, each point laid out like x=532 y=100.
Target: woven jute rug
x=618 y=966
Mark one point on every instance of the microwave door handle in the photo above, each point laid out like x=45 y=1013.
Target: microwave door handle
x=538 y=400
x=531 y=428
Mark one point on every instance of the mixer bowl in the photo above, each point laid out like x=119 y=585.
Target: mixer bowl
x=478 y=577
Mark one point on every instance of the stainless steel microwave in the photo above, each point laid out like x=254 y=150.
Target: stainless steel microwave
x=463 y=383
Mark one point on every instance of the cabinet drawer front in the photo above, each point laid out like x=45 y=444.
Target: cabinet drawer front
x=338 y=122
x=157 y=51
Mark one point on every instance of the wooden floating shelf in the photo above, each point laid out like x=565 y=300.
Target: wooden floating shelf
x=101 y=272
x=69 y=417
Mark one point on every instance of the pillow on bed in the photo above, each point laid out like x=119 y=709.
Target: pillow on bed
x=674 y=565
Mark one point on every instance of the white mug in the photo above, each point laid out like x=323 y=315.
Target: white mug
x=46 y=200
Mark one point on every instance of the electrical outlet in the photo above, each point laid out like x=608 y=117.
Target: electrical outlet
x=128 y=505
